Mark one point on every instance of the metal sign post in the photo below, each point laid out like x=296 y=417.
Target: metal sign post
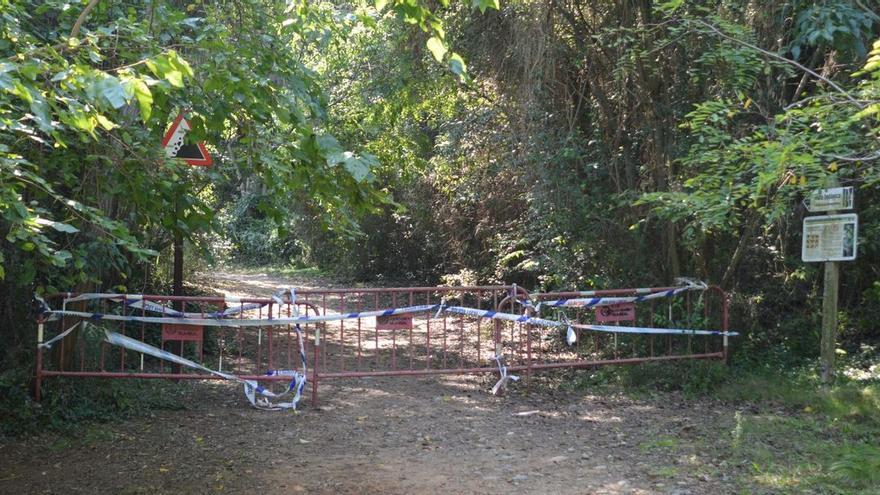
x=195 y=154
x=830 y=239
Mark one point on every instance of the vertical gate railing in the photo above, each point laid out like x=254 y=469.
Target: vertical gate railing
x=704 y=309
x=246 y=351
x=425 y=343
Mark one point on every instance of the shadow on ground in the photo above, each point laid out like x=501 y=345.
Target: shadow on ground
x=385 y=435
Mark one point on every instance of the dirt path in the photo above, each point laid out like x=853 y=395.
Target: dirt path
x=410 y=435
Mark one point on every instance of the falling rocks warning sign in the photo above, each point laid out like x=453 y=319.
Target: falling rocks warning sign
x=176 y=147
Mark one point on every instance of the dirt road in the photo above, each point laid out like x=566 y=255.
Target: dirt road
x=388 y=435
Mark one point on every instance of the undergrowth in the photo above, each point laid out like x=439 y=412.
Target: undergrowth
x=68 y=404
x=788 y=432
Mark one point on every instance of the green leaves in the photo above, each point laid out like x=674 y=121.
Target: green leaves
x=113 y=91
x=836 y=25
x=486 y=4
x=359 y=167
x=670 y=6
x=458 y=67
x=59 y=226
x=437 y=47
x=171 y=67
x=144 y=98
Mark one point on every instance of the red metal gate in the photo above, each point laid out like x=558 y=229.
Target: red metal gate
x=424 y=343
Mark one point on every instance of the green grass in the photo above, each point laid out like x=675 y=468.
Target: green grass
x=786 y=433
x=667 y=472
x=805 y=437
x=660 y=443
x=793 y=435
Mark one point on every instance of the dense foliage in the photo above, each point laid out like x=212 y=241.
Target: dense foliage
x=552 y=144
x=86 y=93
x=619 y=144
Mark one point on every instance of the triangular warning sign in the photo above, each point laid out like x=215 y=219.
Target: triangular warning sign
x=175 y=147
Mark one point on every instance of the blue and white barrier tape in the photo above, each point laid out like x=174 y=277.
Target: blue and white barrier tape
x=497 y=315
x=49 y=343
x=652 y=331
x=297 y=383
x=251 y=387
x=137 y=301
x=243 y=322
x=570 y=335
x=502 y=370
x=593 y=302
x=479 y=313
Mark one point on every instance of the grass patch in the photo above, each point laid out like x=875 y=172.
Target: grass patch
x=693 y=378
x=789 y=434
x=792 y=453
x=660 y=443
x=800 y=436
x=667 y=472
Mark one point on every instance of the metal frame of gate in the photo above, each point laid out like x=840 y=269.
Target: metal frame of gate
x=435 y=344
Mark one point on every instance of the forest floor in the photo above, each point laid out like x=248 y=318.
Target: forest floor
x=392 y=435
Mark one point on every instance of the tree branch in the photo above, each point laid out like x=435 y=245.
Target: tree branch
x=776 y=56
x=73 y=32
x=82 y=18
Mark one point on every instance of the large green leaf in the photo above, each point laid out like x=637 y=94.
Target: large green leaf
x=437 y=47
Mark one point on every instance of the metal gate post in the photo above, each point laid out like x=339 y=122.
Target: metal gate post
x=315 y=367
x=38 y=374
x=724 y=324
x=528 y=356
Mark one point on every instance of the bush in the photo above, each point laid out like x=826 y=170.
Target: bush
x=68 y=403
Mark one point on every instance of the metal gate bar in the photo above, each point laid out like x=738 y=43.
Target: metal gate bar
x=421 y=344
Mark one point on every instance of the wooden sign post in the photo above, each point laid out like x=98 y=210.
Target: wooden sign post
x=830 y=239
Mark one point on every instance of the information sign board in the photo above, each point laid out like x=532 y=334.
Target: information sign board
x=830 y=238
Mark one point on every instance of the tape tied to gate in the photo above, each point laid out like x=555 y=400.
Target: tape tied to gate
x=596 y=301
x=262 y=398
x=137 y=301
x=49 y=343
x=502 y=370
x=258 y=396
x=48 y=314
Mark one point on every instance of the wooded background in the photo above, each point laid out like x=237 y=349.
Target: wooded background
x=557 y=145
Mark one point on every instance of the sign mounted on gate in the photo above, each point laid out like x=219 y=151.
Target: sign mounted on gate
x=830 y=238
x=835 y=198
x=394 y=322
x=190 y=333
x=616 y=312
